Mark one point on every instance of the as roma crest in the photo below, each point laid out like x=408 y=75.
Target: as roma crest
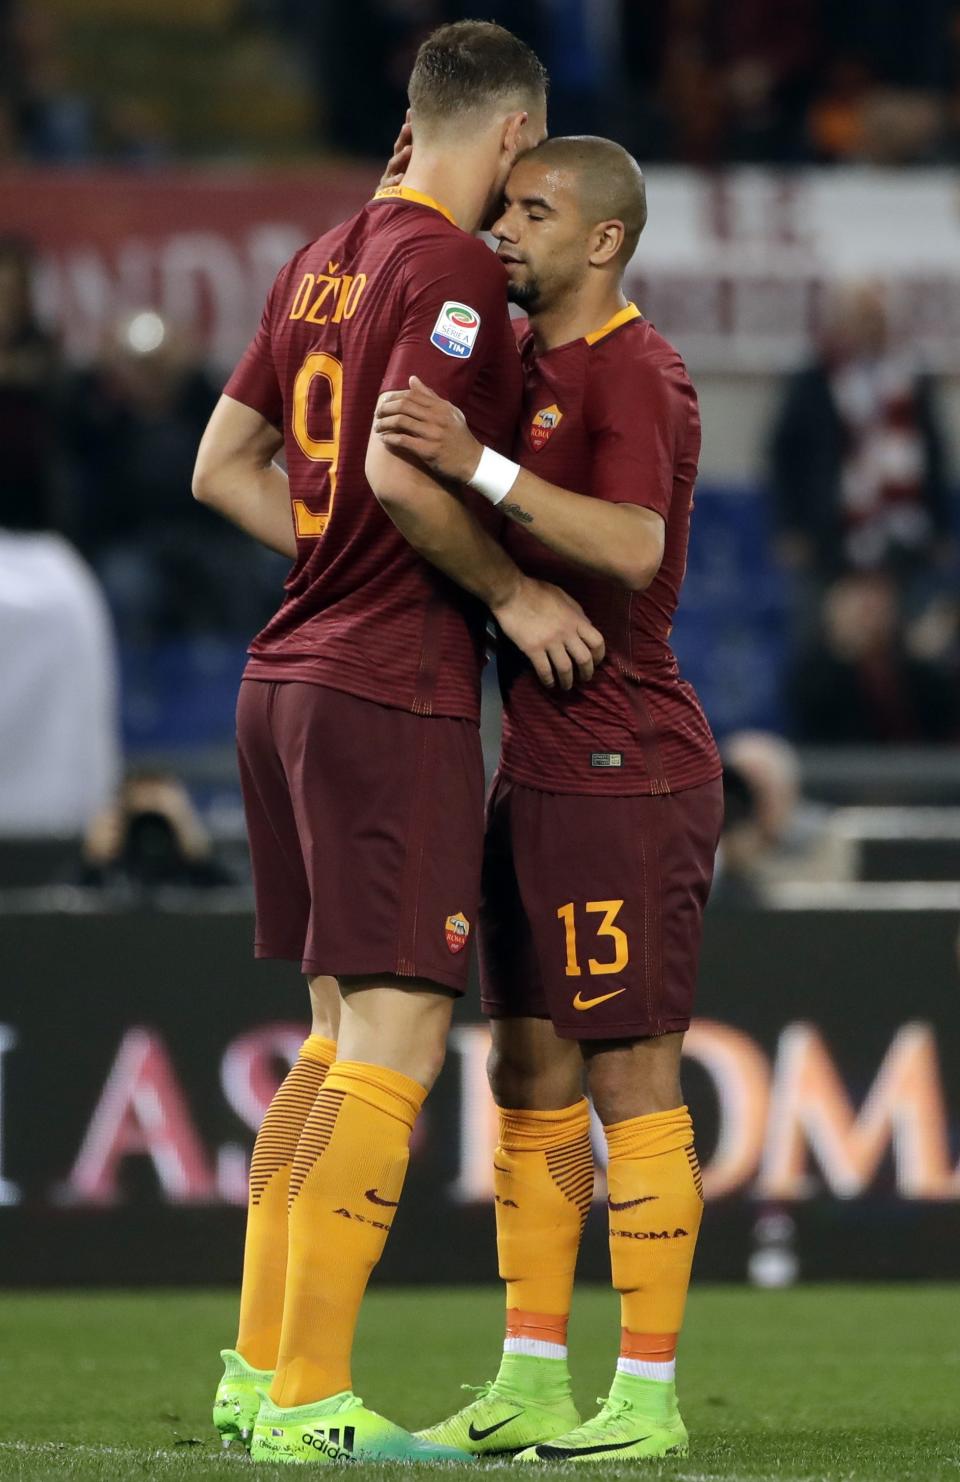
x=545 y=423
x=456 y=930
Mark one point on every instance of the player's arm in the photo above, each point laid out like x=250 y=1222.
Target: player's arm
x=236 y=475
x=545 y=624
x=623 y=541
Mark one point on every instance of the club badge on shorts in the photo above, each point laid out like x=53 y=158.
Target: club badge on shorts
x=456 y=930
x=456 y=330
x=546 y=422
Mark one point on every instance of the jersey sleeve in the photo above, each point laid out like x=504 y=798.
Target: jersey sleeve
x=254 y=381
x=639 y=412
x=453 y=319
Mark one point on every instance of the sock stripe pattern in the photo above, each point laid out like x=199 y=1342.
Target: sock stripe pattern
x=276 y=1143
x=655 y=1206
x=571 y=1168
x=265 y=1246
x=694 y=1162
x=543 y=1187
x=315 y=1137
x=346 y=1184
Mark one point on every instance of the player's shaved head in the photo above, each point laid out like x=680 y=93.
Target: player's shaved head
x=469 y=66
x=608 y=181
x=573 y=212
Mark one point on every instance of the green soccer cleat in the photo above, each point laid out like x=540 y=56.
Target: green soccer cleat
x=639 y=1420
x=501 y=1422
x=237 y=1399
x=338 y=1429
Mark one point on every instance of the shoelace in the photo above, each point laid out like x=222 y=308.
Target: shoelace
x=482 y=1391
x=611 y=1411
x=611 y=1408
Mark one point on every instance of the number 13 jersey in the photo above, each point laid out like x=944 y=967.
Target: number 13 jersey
x=398 y=290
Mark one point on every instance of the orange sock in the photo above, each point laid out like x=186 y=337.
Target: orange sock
x=265 y=1251
x=543 y=1184
x=346 y=1182
x=655 y=1204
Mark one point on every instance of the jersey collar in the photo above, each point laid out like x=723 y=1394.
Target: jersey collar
x=404 y=193
x=623 y=316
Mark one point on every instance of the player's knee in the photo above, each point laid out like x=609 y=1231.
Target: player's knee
x=428 y=1063
x=625 y=1082
x=522 y=1081
x=510 y=1080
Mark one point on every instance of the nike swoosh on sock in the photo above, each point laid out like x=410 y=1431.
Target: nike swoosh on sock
x=374 y=1198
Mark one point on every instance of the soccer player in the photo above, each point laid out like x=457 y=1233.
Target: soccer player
x=602 y=823
x=359 y=751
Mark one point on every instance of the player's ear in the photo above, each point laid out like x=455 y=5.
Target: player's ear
x=513 y=126
x=606 y=242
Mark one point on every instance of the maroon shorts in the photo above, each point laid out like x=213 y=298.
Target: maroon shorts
x=366 y=830
x=592 y=908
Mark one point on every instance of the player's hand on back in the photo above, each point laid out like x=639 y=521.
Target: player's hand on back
x=420 y=422
x=400 y=159
x=553 y=631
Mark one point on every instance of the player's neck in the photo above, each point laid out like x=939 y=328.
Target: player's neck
x=576 y=315
x=451 y=183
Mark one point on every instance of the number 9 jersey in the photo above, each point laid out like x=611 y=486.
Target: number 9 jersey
x=398 y=290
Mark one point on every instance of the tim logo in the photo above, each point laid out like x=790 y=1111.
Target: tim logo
x=456 y=929
x=544 y=424
x=456 y=330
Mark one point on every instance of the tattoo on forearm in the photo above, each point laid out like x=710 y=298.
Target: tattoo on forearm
x=516 y=513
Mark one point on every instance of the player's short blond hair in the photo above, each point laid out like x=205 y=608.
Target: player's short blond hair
x=472 y=65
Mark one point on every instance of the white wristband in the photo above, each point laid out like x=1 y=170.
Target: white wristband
x=495 y=476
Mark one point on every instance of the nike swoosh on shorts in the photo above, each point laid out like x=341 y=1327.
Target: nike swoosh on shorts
x=591 y=1003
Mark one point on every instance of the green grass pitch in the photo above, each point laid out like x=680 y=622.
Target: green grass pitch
x=838 y=1383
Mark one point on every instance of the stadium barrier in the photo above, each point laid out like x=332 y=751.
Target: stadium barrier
x=139 y=1050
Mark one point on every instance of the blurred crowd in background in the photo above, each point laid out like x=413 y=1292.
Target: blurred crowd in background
x=691 y=81
x=860 y=515
x=115 y=480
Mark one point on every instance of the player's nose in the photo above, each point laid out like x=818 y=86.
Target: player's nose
x=501 y=229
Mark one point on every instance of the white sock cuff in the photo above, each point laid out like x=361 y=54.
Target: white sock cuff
x=535 y=1348
x=641 y=1369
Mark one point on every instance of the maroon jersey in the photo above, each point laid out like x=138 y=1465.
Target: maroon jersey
x=397 y=290
x=614 y=416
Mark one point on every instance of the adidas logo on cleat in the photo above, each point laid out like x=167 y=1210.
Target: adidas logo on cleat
x=328 y=1442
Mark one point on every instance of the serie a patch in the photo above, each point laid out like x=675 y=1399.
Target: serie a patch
x=606 y=758
x=456 y=330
